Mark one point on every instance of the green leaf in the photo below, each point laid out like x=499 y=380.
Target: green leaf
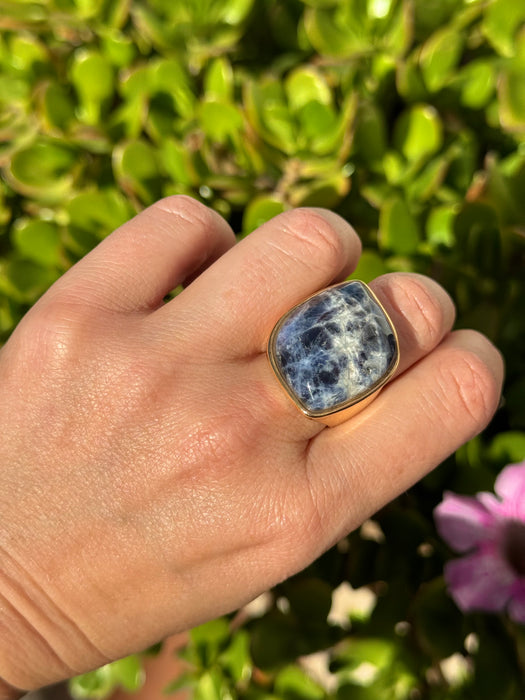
x=8 y=315
x=24 y=280
x=234 y=11
x=236 y=658
x=358 y=691
x=209 y=687
x=398 y=229
x=425 y=185
x=508 y=447
x=398 y=27
x=440 y=226
x=5 y=211
x=23 y=13
x=477 y=83
x=501 y=23
x=511 y=93
x=321 y=3
x=304 y=86
x=280 y=126
x=92 y=215
x=43 y=169
x=440 y=56
x=117 y=13
x=39 y=241
x=128 y=673
x=136 y=166
x=355 y=651
x=267 y=110
x=370 y=266
x=86 y=9
x=43 y=161
x=394 y=168
x=438 y=624
x=59 y=107
x=496 y=650
x=334 y=33
x=478 y=237
x=292 y=683
x=275 y=641
x=359 y=27
x=176 y=159
x=378 y=9
x=432 y=14
x=220 y=120
x=93 y=79
x=261 y=209
x=26 y=51
x=99 y=211
x=136 y=84
x=95 y=684
x=209 y=640
x=409 y=80
x=323 y=192
x=13 y=89
x=418 y=133
x=370 y=137
x=319 y=125
x=505 y=183
x=118 y=48
x=310 y=599
x=218 y=80
x=170 y=76
x=463 y=156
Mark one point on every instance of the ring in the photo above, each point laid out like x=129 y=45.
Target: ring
x=334 y=351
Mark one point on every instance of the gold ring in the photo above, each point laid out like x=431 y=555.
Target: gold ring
x=334 y=351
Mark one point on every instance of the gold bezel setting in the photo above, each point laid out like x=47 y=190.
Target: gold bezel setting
x=344 y=410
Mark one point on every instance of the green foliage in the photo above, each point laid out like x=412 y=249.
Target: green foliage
x=407 y=117
x=126 y=674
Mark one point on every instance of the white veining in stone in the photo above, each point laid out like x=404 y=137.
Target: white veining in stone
x=332 y=348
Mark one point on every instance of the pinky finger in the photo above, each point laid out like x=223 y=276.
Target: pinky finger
x=414 y=424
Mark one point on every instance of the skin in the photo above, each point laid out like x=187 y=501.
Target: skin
x=154 y=474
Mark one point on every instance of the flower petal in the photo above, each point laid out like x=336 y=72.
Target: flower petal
x=463 y=522
x=517 y=603
x=510 y=487
x=479 y=581
x=493 y=504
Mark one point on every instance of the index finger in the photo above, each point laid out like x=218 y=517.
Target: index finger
x=136 y=266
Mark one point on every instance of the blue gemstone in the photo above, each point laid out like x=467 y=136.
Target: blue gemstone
x=334 y=348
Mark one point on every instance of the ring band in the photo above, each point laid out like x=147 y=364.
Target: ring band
x=334 y=351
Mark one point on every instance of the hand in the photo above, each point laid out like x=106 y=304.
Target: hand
x=154 y=473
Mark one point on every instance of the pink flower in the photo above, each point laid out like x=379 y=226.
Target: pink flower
x=491 y=531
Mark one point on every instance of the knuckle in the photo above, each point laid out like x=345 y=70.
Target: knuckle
x=319 y=239
x=472 y=387
x=53 y=334
x=204 y=223
x=191 y=211
x=181 y=204
x=422 y=309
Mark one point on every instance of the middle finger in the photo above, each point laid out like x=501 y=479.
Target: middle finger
x=422 y=313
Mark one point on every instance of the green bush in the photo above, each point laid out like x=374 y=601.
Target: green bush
x=408 y=118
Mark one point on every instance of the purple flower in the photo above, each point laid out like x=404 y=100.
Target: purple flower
x=491 y=531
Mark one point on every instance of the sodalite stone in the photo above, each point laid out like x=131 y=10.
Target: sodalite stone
x=334 y=348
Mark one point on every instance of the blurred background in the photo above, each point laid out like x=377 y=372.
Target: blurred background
x=405 y=116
